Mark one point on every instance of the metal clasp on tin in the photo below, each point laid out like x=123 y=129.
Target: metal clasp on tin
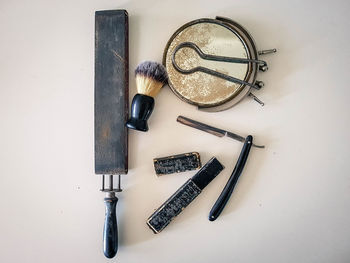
x=261 y=64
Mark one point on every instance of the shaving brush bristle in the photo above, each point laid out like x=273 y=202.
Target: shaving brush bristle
x=150 y=78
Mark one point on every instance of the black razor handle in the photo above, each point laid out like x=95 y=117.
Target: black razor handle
x=230 y=185
x=110 y=231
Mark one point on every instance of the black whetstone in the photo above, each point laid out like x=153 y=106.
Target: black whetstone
x=111 y=92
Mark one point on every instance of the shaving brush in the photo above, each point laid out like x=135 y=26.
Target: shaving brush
x=150 y=78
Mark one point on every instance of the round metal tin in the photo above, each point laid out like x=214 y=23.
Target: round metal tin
x=220 y=36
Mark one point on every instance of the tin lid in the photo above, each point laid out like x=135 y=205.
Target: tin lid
x=218 y=37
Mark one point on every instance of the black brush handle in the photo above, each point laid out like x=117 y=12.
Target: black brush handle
x=141 y=109
x=110 y=231
x=230 y=185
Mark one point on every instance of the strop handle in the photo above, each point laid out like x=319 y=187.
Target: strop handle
x=110 y=230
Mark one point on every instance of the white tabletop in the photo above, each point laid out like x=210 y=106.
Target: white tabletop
x=292 y=201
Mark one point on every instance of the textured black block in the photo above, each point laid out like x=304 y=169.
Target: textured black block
x=184 y=196
x=173 y=206
x=177 y=163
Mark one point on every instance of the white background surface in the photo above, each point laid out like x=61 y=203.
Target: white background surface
x=292 y=202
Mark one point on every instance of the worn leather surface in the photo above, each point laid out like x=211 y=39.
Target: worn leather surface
x=111 y=92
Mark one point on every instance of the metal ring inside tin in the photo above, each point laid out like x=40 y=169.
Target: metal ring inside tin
x=217 y=37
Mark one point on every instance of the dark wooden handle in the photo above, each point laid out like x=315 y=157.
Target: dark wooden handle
x=230 y=185
x=110 y=231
